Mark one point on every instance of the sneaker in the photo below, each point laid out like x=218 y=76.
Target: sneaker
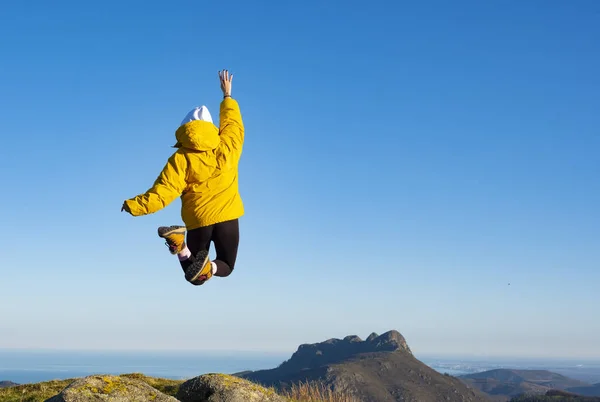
x=174 y=237
x=201 y=269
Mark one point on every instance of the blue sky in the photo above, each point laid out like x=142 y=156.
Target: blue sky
x=403 y=164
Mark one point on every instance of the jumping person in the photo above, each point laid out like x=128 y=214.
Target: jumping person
x=204 y=173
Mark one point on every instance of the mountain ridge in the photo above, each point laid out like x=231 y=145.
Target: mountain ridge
x=381 y=368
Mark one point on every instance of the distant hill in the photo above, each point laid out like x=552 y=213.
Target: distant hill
x=555 y=396
x=509 y=383
x=380 y=369
x=590 y=390
x=6 y=384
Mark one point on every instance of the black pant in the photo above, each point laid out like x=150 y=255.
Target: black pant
x=224 y=235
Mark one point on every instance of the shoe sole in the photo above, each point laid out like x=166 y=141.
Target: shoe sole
x=165 y=231
x=195 y=270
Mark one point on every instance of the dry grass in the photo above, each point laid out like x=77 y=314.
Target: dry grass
x=316 y=392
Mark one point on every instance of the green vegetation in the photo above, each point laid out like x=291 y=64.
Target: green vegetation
x=39 y=392
x=166 y=386
x=33 y=392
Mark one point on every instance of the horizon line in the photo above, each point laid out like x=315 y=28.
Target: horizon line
x=278 y=353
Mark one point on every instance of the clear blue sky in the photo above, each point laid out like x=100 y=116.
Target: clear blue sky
x=403 y=164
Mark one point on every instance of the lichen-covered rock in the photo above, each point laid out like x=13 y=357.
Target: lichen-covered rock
x=110 y=389
x=224 y=388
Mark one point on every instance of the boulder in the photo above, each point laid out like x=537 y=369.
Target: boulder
x=224 y=388
x=110 y=389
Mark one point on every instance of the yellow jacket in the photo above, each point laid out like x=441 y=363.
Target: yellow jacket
x=203 y=171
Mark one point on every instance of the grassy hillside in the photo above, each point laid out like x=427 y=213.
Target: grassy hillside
x=39 y=392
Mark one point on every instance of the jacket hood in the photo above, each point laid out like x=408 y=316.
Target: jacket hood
x=198 y=135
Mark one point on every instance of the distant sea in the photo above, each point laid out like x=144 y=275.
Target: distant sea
x=30 y=366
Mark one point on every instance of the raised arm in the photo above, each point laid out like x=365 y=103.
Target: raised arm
x=230 y=119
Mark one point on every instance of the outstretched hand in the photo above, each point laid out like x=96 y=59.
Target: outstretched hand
x=225 y=78
x=125 y=208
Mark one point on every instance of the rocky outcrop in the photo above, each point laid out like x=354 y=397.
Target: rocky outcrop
x=111 y=389
x=335 y=350
x=224 y=388
x=380 y=369
x=372 y=337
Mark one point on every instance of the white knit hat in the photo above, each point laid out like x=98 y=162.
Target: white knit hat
x=197 y=113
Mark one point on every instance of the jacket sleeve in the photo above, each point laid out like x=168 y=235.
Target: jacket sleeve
x=167 y=186
x=231 y=129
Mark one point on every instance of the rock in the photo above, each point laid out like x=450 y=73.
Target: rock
x=310 y=356
x=381 y=368
x=372 y=337
x=390 y=341
x=111 y=389
x=224 y=388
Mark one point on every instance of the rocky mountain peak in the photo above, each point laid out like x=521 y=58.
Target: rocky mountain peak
x=390 y=341
x=335 y=350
